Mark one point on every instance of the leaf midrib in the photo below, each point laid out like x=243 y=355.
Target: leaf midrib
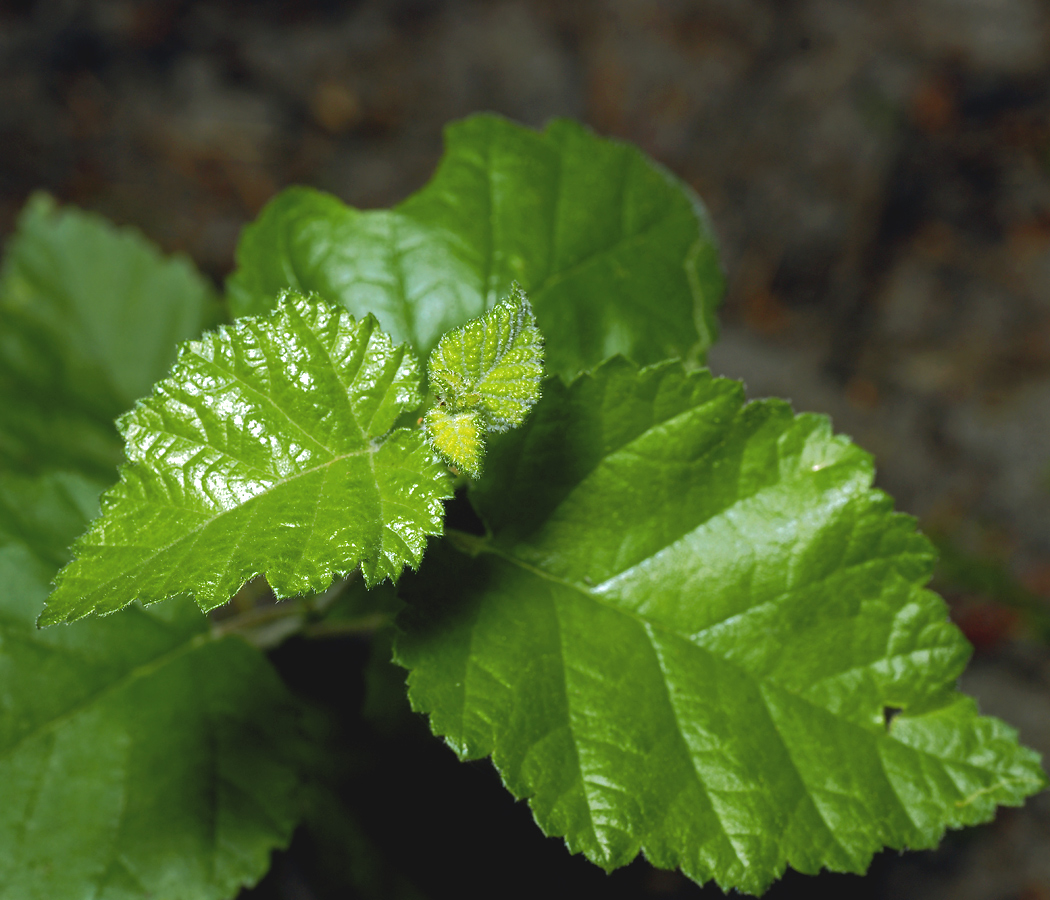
x=649 y=627
x=195 y=531
x=483 y=545
x=128 y=678
x=249 y=388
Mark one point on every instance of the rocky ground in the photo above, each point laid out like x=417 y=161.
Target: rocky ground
x=878 y=173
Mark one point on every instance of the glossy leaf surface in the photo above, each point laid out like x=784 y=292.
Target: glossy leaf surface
x=90 y=316
x=139 y=756
x=685 y=633
x=268 y=451
x=615 y=254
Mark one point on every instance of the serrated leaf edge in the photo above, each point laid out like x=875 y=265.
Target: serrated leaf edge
x=114 y=496
x=474 y=546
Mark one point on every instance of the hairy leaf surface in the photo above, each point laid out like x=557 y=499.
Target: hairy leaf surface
x=614 y=252
x=459 y=437
x=269 y=451
x=139 y=756
x=90 y=316
x=486 y=376
x=686 y=631
x=493 y=364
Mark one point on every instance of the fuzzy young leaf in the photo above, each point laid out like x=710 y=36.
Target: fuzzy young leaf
x=268 y=451
x=493 y=364
x=486 y=376
x=615 y=253
x=90 y=316
x=684 y=633
x=139 y=756
x=458 y=436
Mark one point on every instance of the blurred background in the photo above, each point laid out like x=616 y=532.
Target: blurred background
x=878 y=172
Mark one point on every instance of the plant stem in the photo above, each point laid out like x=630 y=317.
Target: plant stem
x=252 y=618
x=364 y=625
x=272 y=624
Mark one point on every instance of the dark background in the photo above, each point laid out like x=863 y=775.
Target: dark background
x=878 y=173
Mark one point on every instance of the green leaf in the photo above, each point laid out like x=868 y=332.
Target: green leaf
x=458 y=437
x=45 y=513
x=615 y=253
x=486 y=376
x=90 y=316
x=493 y=364
x=268 y=451
x=687 y=634
x=139 y=756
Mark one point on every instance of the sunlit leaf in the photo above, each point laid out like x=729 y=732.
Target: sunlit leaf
x=687 y=631
x=458 y=437
x=493 y=364
x=486 y=376
x=268 y=451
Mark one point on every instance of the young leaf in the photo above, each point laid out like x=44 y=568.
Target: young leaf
x=685 y=632
x=486 y=376
x=458 y=436
x=493 y=364
x=139 y=756
x=268 y=451
x=615 y=253
x=90 y=316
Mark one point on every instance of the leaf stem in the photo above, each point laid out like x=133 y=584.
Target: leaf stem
x=364 y=625
x=272 y=624
x=253 y=618
x=466 y=542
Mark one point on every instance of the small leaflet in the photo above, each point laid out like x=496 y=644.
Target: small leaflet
x=458 y=437
x=486 y=376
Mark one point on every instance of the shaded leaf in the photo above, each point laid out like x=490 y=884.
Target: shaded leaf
x=139 y=756
x=90 y=316
x=684 y=633
x=615 y=254
x=268 y=451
